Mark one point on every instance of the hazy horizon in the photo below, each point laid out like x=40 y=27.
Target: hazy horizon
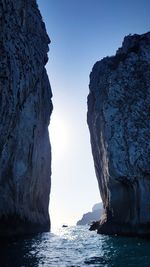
x=81 y=32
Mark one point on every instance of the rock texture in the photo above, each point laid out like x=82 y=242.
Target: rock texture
x=94 y=215
x=25 y=108
x=119 y=123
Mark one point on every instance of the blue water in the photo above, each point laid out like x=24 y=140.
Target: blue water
x=75 y=247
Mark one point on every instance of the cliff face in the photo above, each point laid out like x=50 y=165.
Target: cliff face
x=25 y=108
x=91 y=216
x=118 y=119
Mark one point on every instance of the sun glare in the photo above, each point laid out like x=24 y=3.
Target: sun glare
x=58 y=136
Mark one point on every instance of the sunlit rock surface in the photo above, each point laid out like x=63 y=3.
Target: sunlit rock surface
x=119 y=123
x=91 y=216
x=25 y=108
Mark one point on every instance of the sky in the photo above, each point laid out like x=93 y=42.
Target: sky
x=81 y=32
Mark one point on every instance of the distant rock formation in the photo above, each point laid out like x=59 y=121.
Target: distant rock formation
x=94 y=215
x=119 y=123
x=25 y=108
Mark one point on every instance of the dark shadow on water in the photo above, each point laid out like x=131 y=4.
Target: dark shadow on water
x=121 y=252
x=99 y=261
x=20 y=252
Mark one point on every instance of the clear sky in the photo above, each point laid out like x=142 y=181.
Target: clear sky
x=81 y=32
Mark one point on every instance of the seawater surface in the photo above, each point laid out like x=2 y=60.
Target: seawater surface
x=75 y=247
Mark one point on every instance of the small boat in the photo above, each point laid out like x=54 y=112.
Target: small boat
x=64 y=225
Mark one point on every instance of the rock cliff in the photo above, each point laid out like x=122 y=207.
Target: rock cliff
x=119 y=123
x=91 y=216
x=25 y=108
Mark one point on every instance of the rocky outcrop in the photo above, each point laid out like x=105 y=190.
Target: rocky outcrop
x=91 y=216
x=118 y=119
x=25 y=108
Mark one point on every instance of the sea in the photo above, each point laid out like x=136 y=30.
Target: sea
x=74 y=246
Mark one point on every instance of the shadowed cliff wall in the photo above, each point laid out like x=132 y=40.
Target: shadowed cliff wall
x=25 y=108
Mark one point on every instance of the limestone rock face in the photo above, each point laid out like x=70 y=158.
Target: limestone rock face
x=119 y=123
x=91 y=216
x=25 y=108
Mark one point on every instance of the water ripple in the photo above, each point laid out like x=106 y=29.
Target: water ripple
x=75 y=247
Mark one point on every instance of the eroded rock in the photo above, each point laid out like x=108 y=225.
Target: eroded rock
x=25 y=108
x=118 y=119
